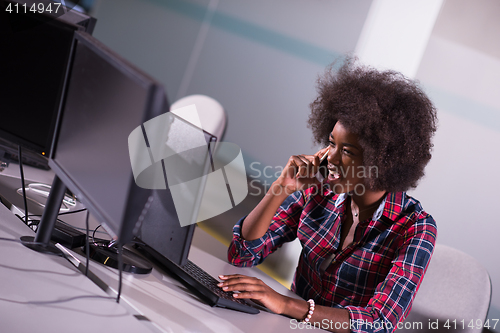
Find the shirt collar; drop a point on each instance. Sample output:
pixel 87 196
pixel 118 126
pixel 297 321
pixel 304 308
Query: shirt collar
pixel 340 199
pixel 378 213
pixel 391 206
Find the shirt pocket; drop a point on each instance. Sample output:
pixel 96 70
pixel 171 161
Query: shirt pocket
pixel 363 270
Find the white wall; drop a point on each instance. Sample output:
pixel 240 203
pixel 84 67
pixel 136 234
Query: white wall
pixel 260 59
pixel 460 70
pixel 396 33
pixel 456 57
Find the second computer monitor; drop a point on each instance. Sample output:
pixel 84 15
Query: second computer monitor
pixel 106 97
pixel 34 59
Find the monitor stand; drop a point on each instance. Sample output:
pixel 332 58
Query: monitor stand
pixel 108 256
pixel 41 242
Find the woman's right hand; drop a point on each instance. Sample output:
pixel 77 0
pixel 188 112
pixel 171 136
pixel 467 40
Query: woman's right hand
pixel 299 173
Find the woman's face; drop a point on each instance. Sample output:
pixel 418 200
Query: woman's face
pixel 345 162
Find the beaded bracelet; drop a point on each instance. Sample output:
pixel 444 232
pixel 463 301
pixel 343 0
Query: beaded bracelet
pixel 311 311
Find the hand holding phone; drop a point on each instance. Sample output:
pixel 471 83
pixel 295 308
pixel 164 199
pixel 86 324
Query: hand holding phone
pixel 323 167
pixel 302 171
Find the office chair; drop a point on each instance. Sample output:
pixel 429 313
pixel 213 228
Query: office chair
pixel 211 114
pixel 455 291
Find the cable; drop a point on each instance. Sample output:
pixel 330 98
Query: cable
pixel 93 235
pixel 55 301
pixel 66 223
pixel 32 223
pixel 73 212
pixel 23 185
pixel 87 246
pixel 77 228
pixel 65 213
pixel 120 271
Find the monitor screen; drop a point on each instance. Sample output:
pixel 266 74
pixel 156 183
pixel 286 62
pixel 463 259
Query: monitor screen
pixel 105 99
pixel 33 64
pixel 161 231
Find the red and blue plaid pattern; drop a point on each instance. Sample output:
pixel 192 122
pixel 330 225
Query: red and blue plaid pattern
pixel 375 278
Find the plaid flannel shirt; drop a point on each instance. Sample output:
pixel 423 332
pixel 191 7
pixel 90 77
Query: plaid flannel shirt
pixel 375 278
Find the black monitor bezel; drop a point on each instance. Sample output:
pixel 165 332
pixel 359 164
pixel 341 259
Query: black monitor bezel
pixel 73 21
pixel 157 105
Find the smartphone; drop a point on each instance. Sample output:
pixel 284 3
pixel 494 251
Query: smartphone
pixel 323 167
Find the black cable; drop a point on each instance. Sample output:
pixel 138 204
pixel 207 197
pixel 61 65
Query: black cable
pixel 93 234
pixel 77 228
pixel 87 247
pixel 66 223
pixel 33 224
pixel 65 213
pixel 73 212
pixel 120 271
pixel 23 185
pixel 57 301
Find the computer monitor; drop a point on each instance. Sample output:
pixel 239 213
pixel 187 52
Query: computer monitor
pixel 161 234
pixel 106 98
pixel 33 64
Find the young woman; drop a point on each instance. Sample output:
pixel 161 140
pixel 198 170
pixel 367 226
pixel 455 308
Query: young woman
pixel 366 243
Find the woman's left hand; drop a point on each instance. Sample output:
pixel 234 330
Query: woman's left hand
pixel 254 289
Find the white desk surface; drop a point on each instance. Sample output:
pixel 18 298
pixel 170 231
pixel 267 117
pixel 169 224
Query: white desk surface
pixel 46 293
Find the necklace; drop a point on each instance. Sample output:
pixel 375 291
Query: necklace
pixel 356 213
pixel 353 211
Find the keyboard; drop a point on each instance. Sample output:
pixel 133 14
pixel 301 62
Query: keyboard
pixel 200 281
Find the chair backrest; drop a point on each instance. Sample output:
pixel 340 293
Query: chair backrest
pixel 454 295
pixel 210 112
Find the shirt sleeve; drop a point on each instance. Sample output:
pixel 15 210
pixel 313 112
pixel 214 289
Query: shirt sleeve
pixel 393 297
pixel 283 229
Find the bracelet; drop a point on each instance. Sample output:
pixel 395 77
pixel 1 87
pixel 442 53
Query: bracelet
pixel 311 311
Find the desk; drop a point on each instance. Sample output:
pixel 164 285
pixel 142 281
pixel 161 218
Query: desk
pixel 169 304
pixel 46 293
